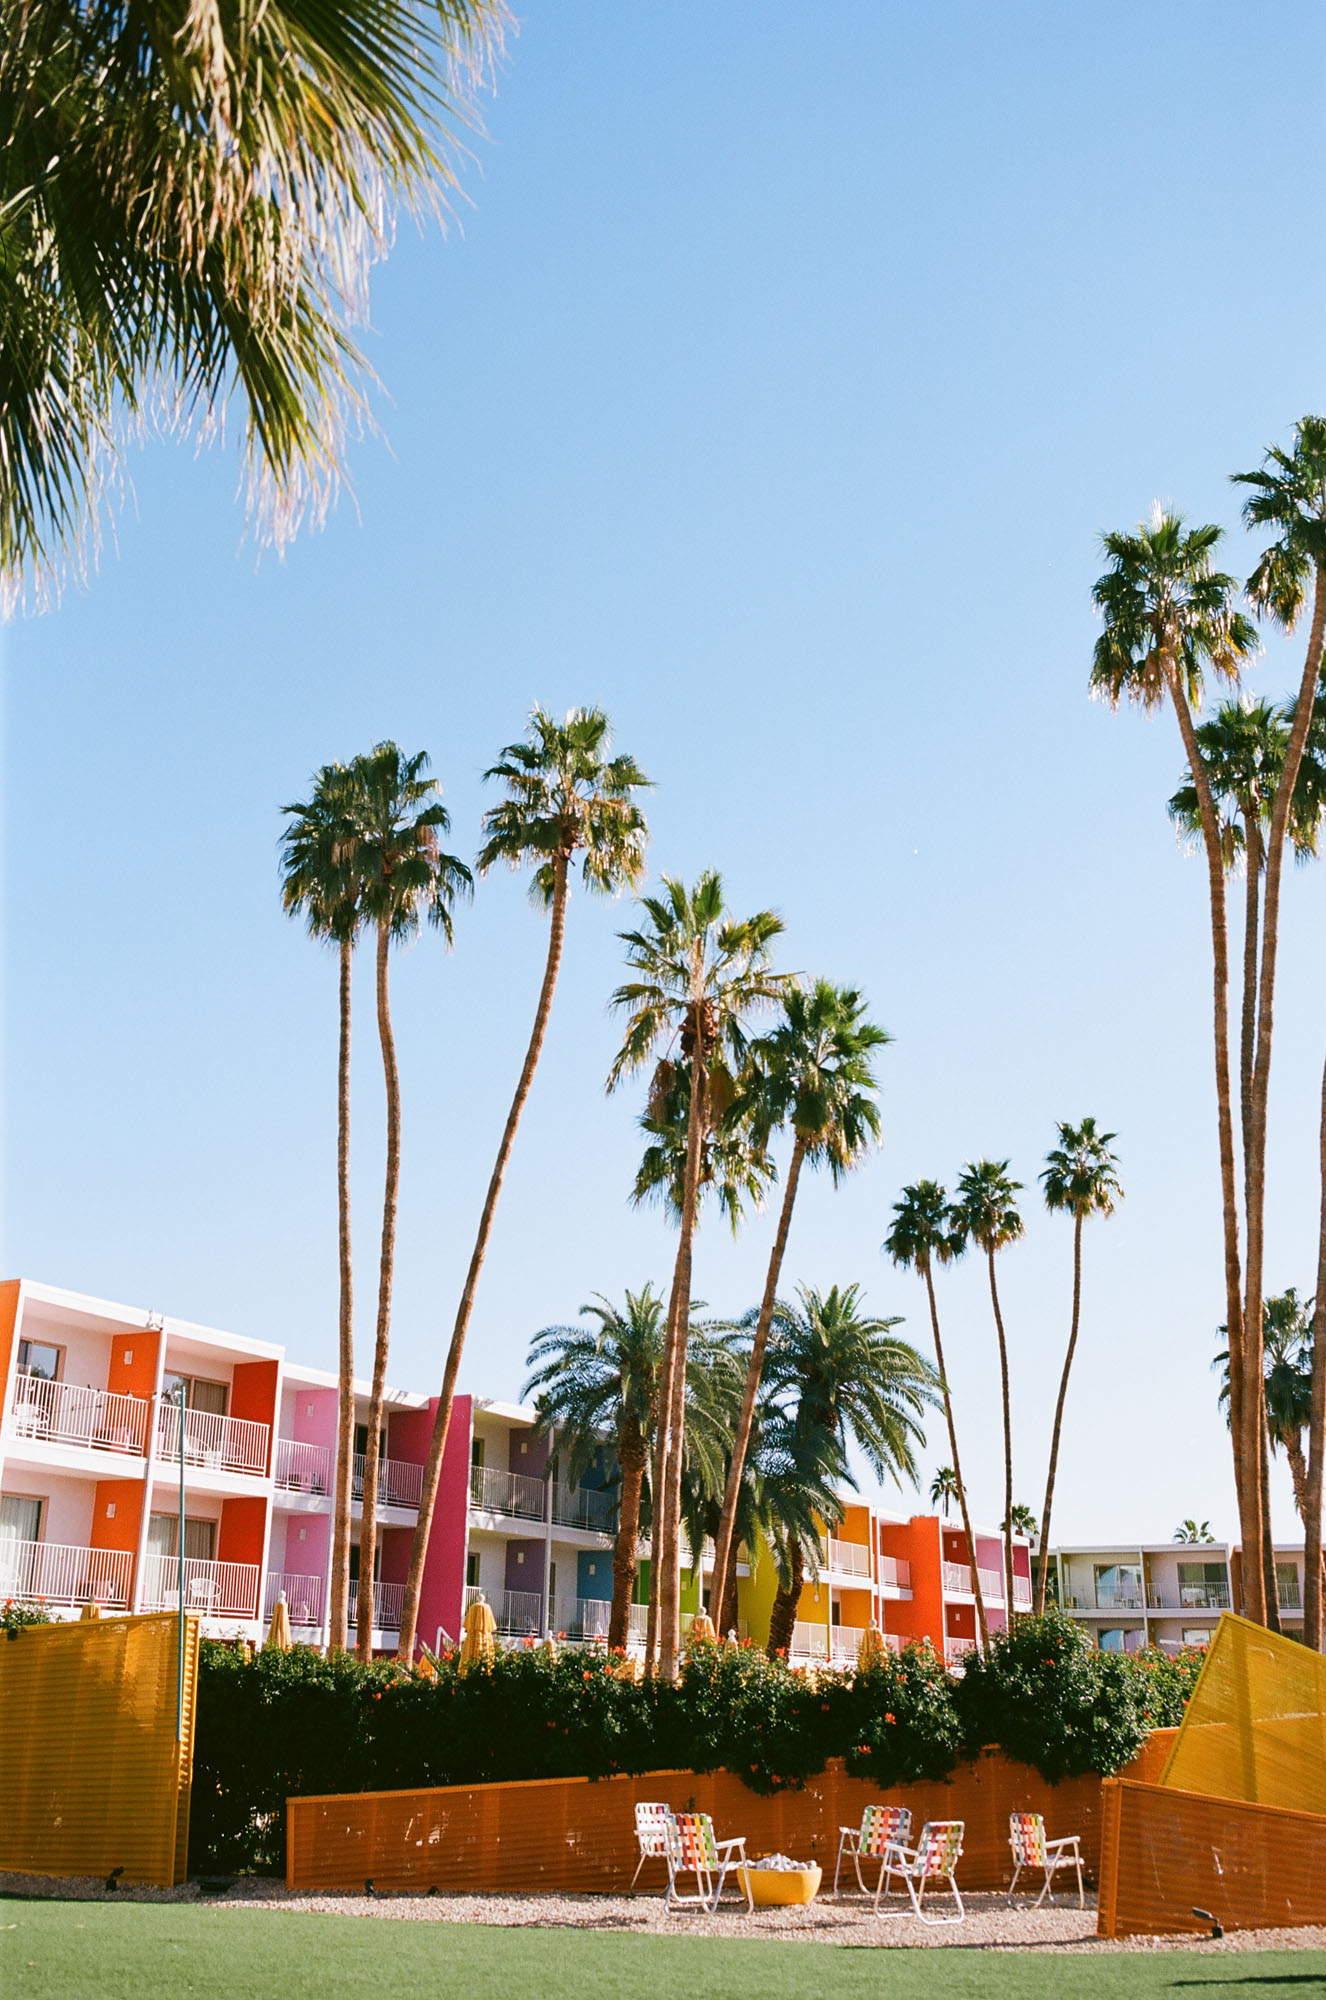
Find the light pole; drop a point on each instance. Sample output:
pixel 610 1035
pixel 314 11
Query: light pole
pixel 181 1392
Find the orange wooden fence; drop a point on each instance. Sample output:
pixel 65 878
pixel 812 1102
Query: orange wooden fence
pixel 570 1833
pixel 1253 1867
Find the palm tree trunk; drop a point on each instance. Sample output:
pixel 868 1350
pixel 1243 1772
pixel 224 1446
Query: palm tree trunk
pixel 447 1394
pixel 1298 1470
pixel 631 1459
pixel 1246 1459
pixel 679 1315
pixel 783 1615
pixel 1008 1439
pixel 1313 1632
pixel 727 1531
pixel 368 1521
pixel 957 1466
pixel 1248 1033
pixel 345 1397
pixel 1254 1387
pixel 1268 1546
pixel 1043 1562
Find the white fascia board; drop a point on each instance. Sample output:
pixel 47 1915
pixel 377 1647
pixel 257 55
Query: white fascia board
pixel 81 1305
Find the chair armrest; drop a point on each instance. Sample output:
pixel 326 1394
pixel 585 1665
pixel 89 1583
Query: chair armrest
pixel 910 1856
pixel 1069 1840
pixel 737 1840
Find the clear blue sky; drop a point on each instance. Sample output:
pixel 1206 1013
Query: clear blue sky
pixel 786 368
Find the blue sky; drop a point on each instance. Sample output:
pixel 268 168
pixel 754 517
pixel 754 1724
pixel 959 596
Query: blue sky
pixel 772 393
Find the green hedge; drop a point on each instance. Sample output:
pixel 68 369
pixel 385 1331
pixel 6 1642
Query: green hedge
pixel 289 1723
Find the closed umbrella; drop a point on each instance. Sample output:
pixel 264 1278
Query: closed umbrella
pixel 426 1666
pixel 871 1651
pixel 278 1636
pixel 91 1609
pixel 702 1628
pixel 478 1645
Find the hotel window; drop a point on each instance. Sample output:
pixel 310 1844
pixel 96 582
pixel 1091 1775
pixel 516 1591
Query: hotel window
pixel 39 1358
pixel 198 1395
pixel 20 1519
pixel 1202 1585
pixel 1118 1587
pixel 163 1537
pixel 1286 1586
pixel 472 1570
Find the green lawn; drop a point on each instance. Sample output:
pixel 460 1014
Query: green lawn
pixel 128 1951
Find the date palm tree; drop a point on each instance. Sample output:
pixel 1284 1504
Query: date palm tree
pixel 565 796
pixel 407 880
pixel 987 1203
pixel 815 1073
pixel 1079 1179
pixel 1288 495
pixel 927 1231
pixel 1169 619
pixel 943 1488
pixel 701 975
pixel 320 881
pixel 191 200
pixel 602 1381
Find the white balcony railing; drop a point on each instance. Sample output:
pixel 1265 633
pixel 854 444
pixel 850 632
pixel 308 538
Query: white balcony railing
pixel 591 1618
pixel 848 1558
pixel 223 1444
pixel 992 1585
pixel 845 1641
pixel 1022 1590
pixel 957 1578
pixel 809 1642
pixel 388 1598
pixel 400 1481
pixel 520 1612
pixel 63 1414
pixel 511 1493
pixel 584 1507
pixel 303 1597
pixel 473 1593
pixel 59 1573
pixel 213 1589
pixel 956 1651
pixel 895 1573
pixel 302 1468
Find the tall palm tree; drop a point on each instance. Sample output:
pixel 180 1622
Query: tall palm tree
pixel 701 975
pixel 566 795
pixel 190 203
pixel 815 1072
pixel 406 879
pixel 320 881
pixel 844 1378
pixel 927 1231
pixel 592 1382
pixel 987 1203
pixel 1079 1179
pixel 1288 495
pixel 1287 1357
pixel 943 1488
pixel 1170 618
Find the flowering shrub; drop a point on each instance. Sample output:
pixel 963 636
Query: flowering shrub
pixel 1047 1697
pixel 13 1615
pixel 903 1721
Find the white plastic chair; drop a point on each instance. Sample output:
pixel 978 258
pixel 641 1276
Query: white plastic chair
pixel 693 1850
pixel 1026 1837
pixel 934 1858
pixel 881 1828
pixel 651 1830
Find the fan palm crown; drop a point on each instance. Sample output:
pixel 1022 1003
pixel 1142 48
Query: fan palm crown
pixel 320 878
pixel 1288 494
pixel 1080 1176
pixel 1165 609
pixel 987 1204
pixel 405 876
pixel 926 1229
pixel 815 1072
pixel 567 796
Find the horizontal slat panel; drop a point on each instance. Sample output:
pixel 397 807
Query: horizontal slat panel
pixel 1253 1867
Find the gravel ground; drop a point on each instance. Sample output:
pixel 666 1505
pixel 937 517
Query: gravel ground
pixel 990 1923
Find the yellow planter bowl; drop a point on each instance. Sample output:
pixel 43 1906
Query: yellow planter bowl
pixel 777 1888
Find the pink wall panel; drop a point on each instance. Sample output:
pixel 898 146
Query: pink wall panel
pixel 442 1592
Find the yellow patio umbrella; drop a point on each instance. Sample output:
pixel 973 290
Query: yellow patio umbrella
pixel 278 1636
pixel 871 1651
pixel 702 1628
pixel 426 1665
pixel 91 1609
pixel 478 1645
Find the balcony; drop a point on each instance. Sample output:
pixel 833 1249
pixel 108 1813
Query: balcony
pixel 809 1642
pixel 845 1643
pixel 212 1589
pixel 956 1651
pixel 519 1613
pixel 585 1507
pixel 1288 1595
pixel 61 1414
pixel 388 1600
pixel 957 1579
pixel 56 1573
pixel 894 1573
pixel 847 1558
pixel 589 1619
pixel 303 1597
pixel 302 1468
pixel 637 1628
pixel 400 1481
pixel 219 1444
pixel 1021 1590
pixel 1187 1597
pixel 1118 1600
pixel 511 1493
pixel 992 1585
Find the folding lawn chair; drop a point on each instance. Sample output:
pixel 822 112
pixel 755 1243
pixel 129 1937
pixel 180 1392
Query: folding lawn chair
pixel 933 1859
pixel 692 1850
pixel 881 1828
pixel 651 1830
pixel 1026 1837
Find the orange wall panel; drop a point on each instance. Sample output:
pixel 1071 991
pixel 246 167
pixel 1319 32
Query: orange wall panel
pixel 120 1530
pixel 253 1395
pixel 9 1292
pixel 132 1370
pixel 924 1616
pixel 242 1531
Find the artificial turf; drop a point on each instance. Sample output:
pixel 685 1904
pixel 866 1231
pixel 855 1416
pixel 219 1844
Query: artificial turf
pixel 129 1951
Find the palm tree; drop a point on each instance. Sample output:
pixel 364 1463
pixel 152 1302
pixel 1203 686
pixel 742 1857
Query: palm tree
pixel 927 1231
pixel 1194 1533
pixel 1287 495
pixel 701 975
pixel 1287 1359
pixel 320 881
pixel 192 202
pixel 843 1377
pixel 1079 1179
pixel 1169 619
pixel 987 1203
pixel 944 1488
pixel 406 878
pixel 814 1072
pixel 800 1473
pixel 592 1382
pixel 1021 1522
pixel 565 796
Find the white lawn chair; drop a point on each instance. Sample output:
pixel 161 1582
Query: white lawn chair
pixel 651 1830
pixel 933 1859
pixel 881 1828
pixel 1026 1837
pixel 692 1850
